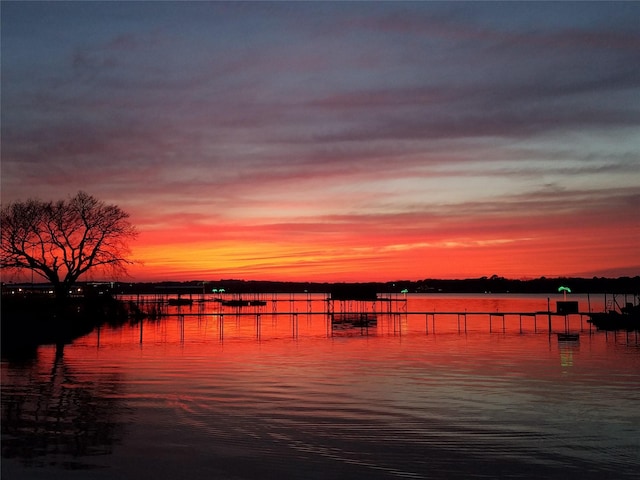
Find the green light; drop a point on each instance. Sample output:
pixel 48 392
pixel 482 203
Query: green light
pixel 406 290
pixel 564 289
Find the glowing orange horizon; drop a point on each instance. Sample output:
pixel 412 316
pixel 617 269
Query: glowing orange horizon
pixel 359 254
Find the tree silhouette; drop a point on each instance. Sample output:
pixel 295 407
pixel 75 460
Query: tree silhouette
pixel 60 241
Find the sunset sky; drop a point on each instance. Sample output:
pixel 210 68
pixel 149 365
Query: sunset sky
pixel 335 141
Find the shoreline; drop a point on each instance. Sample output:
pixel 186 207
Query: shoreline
pixel 493 284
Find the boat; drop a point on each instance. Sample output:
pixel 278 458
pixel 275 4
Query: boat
pixel 626 318
pixel 568 337
pixel 180 301
pixel 244 303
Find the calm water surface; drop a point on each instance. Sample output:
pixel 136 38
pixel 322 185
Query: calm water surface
pixel 287 396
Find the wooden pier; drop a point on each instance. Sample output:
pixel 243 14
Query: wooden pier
pixel 368 323
pixel 365 315
pixel 501 317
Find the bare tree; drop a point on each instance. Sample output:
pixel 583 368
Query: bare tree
pixel 60 241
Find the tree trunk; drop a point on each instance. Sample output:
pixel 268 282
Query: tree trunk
pixel 62 316
pixel 61 290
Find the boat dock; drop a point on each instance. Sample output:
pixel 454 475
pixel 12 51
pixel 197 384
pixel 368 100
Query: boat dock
pixel 566 327
pixel 365 314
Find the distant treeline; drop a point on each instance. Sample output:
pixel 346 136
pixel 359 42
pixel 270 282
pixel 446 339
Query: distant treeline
pixel 494 284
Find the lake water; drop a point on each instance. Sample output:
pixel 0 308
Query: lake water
pixel 269 394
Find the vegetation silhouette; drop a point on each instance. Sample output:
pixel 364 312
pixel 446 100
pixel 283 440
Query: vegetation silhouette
pixel 61 241
pixel 32 319
pixel 492 284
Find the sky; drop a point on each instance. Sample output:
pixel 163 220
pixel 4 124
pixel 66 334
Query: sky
pixel 335 141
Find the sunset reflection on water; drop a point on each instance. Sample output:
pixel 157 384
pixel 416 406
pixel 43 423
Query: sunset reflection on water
pixel 294 398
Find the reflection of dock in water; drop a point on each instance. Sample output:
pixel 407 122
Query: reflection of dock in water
pixel 362 310
pixel 341 321
pixel 395 322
